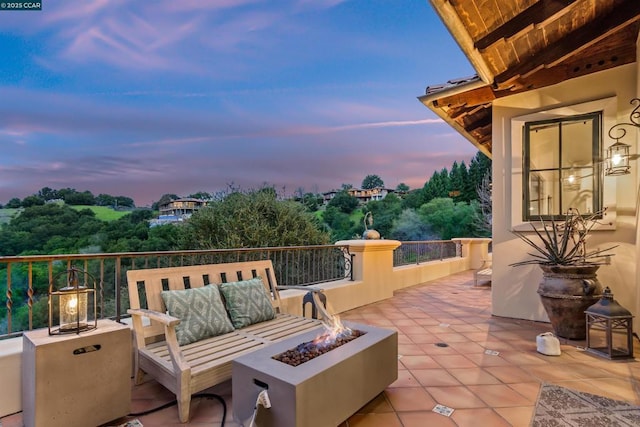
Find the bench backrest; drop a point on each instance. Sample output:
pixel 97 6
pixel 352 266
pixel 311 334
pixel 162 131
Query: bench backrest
pixel 147 284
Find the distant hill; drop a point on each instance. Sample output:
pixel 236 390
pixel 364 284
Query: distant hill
pixel 103 213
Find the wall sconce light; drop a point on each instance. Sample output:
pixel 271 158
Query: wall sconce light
pixel 609 329
pixel 617 160
pixel 69 306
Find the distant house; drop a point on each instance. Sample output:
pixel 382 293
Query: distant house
pixel 363 195
pixel 181 208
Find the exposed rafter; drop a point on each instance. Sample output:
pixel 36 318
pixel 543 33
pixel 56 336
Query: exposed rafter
pixel 536 14
pixel 573 43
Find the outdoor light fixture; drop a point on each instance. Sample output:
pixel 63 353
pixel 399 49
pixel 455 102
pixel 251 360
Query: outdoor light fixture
pixel 72 308
pixel 617 160
pixel 609 329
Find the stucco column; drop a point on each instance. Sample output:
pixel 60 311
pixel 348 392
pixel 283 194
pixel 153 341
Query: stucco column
pixel 475 249
pixel 373 266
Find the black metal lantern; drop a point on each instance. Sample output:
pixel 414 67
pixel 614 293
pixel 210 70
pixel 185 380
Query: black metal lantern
pixel 609 329
pixel 72 308
pixel 617 160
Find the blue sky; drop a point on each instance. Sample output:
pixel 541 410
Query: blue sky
pixel 143 98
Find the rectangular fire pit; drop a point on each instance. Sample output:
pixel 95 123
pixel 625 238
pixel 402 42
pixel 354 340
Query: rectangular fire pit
pixel 321 392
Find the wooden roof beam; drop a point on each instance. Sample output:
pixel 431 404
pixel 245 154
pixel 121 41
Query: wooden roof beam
pixel 471 98
pixel 536 14
pixel 573 43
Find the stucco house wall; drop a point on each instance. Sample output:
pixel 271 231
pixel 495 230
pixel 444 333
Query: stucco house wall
pixel 514 288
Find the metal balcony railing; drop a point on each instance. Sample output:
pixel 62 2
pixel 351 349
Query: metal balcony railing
pixel 426 250
pixel 24 280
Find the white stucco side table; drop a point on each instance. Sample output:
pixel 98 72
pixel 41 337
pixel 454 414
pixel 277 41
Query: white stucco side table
pixel 76 380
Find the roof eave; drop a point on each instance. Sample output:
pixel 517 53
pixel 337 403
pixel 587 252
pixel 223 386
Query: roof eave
pixel 450 18
pixel 427 101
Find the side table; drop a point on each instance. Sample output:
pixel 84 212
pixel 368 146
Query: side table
pixel 76 379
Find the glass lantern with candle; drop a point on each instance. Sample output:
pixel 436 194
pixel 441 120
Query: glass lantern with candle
pixel 72 307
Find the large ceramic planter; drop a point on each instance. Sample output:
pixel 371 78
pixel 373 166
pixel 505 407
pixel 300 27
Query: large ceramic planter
pixel 566 292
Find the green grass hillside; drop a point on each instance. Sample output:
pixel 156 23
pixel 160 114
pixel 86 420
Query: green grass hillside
pixel 103 213
pixel 8 213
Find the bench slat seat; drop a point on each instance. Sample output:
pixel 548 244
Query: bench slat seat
pixel 485 274
pixel 189 369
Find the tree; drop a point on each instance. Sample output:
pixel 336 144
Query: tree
pixel 480 165
pixel 484 216
pixel 384 212
pixel 344 202
pixel 37 225
pixel 105 200
pixel 410 227
pixel 14 203
pixel 123 201
pixel 449 219
pixel 340 224
pixel 402 188
pixel 73 197
pixel 372 181
pixel 47 194
pixel 438 186
pixel 201 195
pixel 459 183
pixel 311 201
pixel 252 219
pixel 32 201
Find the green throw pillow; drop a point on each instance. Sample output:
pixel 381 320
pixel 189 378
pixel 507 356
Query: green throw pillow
pixel 201 313
pixel 247 302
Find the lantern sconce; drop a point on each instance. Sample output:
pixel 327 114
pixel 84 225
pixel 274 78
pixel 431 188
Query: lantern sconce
pixel 72 307
pixel 609 328
pixel 617 159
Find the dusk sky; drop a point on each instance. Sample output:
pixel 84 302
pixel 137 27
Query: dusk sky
pixel 143 98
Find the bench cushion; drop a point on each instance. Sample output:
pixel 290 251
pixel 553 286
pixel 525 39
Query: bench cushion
pixel 247 302
pixel 201 313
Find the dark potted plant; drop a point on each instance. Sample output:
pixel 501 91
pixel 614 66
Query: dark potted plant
pixel 569 284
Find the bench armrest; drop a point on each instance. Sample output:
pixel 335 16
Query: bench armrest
pixel 163 318
pixel 169 322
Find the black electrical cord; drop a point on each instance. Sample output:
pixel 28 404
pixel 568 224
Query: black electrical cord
pixel 175 402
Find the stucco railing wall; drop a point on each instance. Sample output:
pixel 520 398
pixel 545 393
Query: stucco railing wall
pixel 375 279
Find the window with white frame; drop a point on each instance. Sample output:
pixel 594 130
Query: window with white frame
pixel 561 166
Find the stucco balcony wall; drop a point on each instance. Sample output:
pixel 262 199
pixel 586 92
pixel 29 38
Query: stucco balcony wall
pixel 375 279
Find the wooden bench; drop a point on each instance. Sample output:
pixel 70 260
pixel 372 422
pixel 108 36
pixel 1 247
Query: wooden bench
pixel 191 368
pixel 484 273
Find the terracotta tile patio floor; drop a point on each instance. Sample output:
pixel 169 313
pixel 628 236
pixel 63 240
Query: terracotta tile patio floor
pixel 485 390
